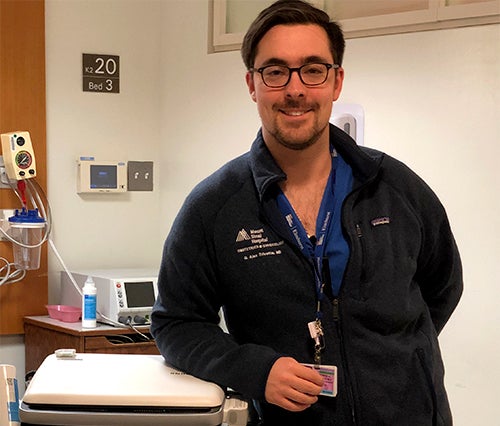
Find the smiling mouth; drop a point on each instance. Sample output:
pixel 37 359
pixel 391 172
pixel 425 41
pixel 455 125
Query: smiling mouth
pixel 294 113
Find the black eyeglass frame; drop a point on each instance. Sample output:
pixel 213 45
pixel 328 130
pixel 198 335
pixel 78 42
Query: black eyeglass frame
pixel 298 71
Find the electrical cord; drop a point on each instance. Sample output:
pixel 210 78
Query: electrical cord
pixel 8 277
pixel 139 333
pixel 128 322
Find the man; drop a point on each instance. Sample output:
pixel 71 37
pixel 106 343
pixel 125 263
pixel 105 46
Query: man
pixel 319 252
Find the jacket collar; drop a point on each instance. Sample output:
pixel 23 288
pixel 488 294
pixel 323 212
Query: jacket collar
pixel 365 163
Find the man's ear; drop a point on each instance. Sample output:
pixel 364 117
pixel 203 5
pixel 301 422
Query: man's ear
pixel 339 80
pixel 251 85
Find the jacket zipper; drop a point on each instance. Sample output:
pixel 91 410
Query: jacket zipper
pixel 336 320
pixel 359 234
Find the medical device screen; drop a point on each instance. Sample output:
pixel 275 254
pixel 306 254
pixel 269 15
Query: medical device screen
pixel 103 176
pixel 139 294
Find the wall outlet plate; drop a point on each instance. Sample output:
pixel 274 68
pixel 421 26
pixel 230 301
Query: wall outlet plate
pixel 4 179
pixel 140 176
pixel 4 222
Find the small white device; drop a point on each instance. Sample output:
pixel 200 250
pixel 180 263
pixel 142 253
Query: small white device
pixel 351 119
pixel 122 294
pixel 18 155
pixel 101 176
pixel 235 411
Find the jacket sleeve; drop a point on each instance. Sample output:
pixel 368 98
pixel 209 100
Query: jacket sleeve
pixel 439 271
pixel 185 318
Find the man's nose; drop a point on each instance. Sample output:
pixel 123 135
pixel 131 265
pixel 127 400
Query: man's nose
pixel 295 86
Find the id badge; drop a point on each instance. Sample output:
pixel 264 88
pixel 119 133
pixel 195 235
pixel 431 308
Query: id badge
pixel 329 374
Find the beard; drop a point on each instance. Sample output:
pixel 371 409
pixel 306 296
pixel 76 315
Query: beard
pixel 296 143
pixel 296 138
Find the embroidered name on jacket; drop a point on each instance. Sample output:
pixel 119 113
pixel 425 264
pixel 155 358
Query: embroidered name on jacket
pixel 253 243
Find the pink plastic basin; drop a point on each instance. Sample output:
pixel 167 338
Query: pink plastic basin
pixel 64 312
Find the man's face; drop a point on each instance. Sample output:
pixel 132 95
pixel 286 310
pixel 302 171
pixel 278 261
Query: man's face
pixel 297 115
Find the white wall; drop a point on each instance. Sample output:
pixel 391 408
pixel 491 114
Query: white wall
pixel 431 99
pixel 208 115
pixel 103 230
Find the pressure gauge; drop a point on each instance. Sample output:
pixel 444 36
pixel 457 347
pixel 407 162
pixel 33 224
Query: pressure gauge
pixel 23 159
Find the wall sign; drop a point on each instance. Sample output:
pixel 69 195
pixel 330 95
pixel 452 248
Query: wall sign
pixel 101 73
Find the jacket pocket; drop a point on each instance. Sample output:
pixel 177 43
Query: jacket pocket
pixel 430 384
pixel 387 263
pixel 364 273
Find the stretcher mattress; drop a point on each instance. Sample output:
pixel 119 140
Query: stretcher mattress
pixel 118 389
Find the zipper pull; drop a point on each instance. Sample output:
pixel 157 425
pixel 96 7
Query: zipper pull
pixel 335 309
pixel 359 233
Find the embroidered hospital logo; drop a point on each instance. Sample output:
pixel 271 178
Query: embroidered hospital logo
pixel 256 244
pixel 242 236
pixel 256 236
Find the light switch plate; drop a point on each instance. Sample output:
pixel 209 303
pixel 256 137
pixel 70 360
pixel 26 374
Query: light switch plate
pixel 140 176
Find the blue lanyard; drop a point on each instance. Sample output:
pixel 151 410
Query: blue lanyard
pixel 314 252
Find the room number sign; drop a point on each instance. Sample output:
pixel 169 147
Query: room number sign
pixel 101 73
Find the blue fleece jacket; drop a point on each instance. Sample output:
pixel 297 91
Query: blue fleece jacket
pixel 230 247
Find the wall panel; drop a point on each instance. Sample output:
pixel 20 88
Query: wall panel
pixel 22 107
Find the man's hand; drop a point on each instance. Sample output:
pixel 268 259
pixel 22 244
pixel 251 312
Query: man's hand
pixel 292 386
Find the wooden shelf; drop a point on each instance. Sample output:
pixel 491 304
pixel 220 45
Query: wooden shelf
pixel 43 335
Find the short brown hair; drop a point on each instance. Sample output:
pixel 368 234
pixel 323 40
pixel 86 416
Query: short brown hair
pixel 290 12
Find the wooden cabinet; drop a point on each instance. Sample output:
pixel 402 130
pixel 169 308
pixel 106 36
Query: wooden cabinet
pixel 360 18
pixel 22 107
pixel 43 335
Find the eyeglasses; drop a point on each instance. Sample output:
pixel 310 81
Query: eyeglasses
pixel 313 74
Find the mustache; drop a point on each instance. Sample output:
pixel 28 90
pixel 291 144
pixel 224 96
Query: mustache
pixel 292 103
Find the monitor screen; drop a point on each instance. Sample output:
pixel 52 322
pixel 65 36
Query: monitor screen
pixel 140 294
pixel 103 176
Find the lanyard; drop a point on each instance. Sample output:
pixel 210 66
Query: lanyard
pixel 314 252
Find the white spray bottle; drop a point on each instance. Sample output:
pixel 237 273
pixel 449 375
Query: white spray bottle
pixel 89 304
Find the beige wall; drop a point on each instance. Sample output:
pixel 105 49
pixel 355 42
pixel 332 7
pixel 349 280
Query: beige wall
pixel 431 99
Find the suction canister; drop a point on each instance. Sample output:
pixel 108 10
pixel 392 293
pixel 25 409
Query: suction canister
pixel 26 228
